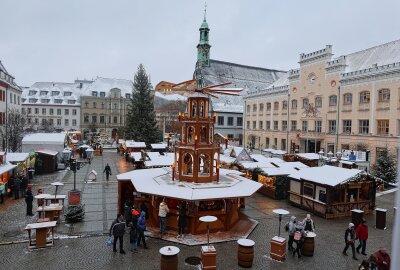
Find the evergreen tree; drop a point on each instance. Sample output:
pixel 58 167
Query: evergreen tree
pixel 141 124
pixel 385 167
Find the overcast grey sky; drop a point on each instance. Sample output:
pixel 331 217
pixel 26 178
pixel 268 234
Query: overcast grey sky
pixel 47 40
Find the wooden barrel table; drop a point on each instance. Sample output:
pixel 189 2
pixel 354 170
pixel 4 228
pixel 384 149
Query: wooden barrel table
pixel 309 244
pixel 169 258
pixel 245 252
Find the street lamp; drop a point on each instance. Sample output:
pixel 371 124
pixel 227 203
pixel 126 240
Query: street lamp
pixel 321 157
pixel 73 163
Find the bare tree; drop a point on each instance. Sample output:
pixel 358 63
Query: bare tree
pixel 47 126
pixel 13 130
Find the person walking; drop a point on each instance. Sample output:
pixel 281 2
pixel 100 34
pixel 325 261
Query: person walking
pixel 162 215
pixel 291 227
pixel 349 238
pixel 117 229
pixel 107 170
pixel 29 201
pixel 298 238
pixel 308 224
pixel 17 186
pixel 362 235
pixel 141 227
pixel 382 259
pixel 181 220
pixel 133 236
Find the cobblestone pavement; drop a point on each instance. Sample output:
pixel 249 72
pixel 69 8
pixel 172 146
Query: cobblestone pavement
pixel 100 199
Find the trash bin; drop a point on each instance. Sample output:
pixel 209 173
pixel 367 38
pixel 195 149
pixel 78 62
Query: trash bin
pixel 380 218
pixel 31 172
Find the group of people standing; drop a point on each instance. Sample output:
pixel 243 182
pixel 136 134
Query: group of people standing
pixel 297 233
pixel 18 185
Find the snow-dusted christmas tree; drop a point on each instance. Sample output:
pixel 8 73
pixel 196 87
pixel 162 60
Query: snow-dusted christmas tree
pixel 141 124
pixel 385 167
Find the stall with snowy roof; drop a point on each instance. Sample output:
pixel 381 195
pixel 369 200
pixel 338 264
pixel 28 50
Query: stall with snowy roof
pixel 195 177
pixel 310 159
pixel 46 161
pixel 21 160
pixel 132 146
pixel 330 191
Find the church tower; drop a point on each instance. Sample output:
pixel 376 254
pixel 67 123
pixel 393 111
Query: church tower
pixel 203 48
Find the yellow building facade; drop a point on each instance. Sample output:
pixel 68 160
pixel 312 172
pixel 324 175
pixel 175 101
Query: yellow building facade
pixel 332 104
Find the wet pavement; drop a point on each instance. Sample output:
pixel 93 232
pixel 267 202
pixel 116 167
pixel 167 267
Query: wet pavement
pixel 100 199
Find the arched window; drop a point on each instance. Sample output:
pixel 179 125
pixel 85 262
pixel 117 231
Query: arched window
pixel 305 102
pixel 268 106
pixel 364 97
pixel 318 102
pixel 333 100
pixel 284 105
pixel 187 168
pixel 347 98
pixel 254 107
pixel 261 107
pixel 201 111
pixel 384 95
pixel 294 104
pixel 190 134
pixel 203 134
pixel 204 165
pixel 194 108
pixel 276 105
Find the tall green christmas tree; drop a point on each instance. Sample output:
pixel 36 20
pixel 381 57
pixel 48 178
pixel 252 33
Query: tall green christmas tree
pixel 385 167
pixel 141 124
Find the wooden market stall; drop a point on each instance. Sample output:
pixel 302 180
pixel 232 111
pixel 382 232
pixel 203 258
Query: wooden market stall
pixel 331 192
pixel 132 146
pixel 21 160
pixel 310 159
pixel 46 161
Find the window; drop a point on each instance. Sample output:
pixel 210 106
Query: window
pixel 284 125
pixel 44 111
pixel 58 101
pixel 32 93
pixel 305 103
pixel 94 104
pixel 102 118
pixel 43 122
pixel 67 94
pixel 308 190
pixel 115 119
pixel 23 111
pixel 37 121
pixel 102 94
pixel 347 126
pixel 318 102
pixel 254 107
pixel 276 105
pixel 66 112
pixel 29 110
pixel 102 105
pixel 239 121
pixel 268 106
pixel 332 100
pixel 43 93
pixel 230 121
pixel 45 100
pixel 347 99
pixel 74 122
pixel 220 120
pixel 71 101
pixel 36 110
pixel 58 122
pixel 283 144
pixel 85 118
pixel 86 104
pixel 364 97
pixel 73 111
pixel 383 127
pixel 94 93
pixel 55 93
pixel 304 126
pixel 275 125
pixel 248 125
pixel 294 104
pixel 94 118
pixel 66 122
pixel 248 108
pixel 363 126
pixel 29 121
pixel 58 111
pixel 254 125
pixel 260 125
pixel 318 126
pixel 268 125
pixel 384 95
pixel 294 125
pixel 115 106
pixel 284 105
pixel 127 95
pixel 261 107
pixel 332 126
pixel 51 111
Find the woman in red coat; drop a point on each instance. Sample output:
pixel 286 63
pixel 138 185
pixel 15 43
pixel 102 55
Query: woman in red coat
pixel 382 259
pixel 362 235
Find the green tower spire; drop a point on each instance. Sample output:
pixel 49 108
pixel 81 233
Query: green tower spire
pixel 203 48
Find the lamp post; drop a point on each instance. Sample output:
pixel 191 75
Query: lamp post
pixel 73 163
pixel 321 157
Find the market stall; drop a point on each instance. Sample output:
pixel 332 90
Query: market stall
pixel 46 161
pixel 21 160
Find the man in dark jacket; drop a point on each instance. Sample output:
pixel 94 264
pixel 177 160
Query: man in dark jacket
pixel 107 170
pixel 117 230
pixel 29 201
pixel 350 238
pixel 17 186
pixel 24 184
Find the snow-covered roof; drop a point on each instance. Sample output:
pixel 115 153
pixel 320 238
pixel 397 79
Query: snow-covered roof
pixel 380 55
pixel 159 182
pixel 6 168
pixel 158 146
pixel 283 81
pixel 133 144
pixel 106 84
pixel 227 108
pixel 44 138
pixel 157 160
pixel 310 156
pixel 47 152
pixel 17 157
pixel 278 171
pixel 274 151
pixel 295 164
pixel 326 175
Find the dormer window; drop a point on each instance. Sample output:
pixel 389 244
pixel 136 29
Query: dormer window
pixel 45 100
pixel 23 100
pixel 94 93
pixel 58 101
pixel 43 93
pixel 32 92
pixel 102 94
pixel 67 94
pixel 71 101
pixel 55 93
pixel 32 100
